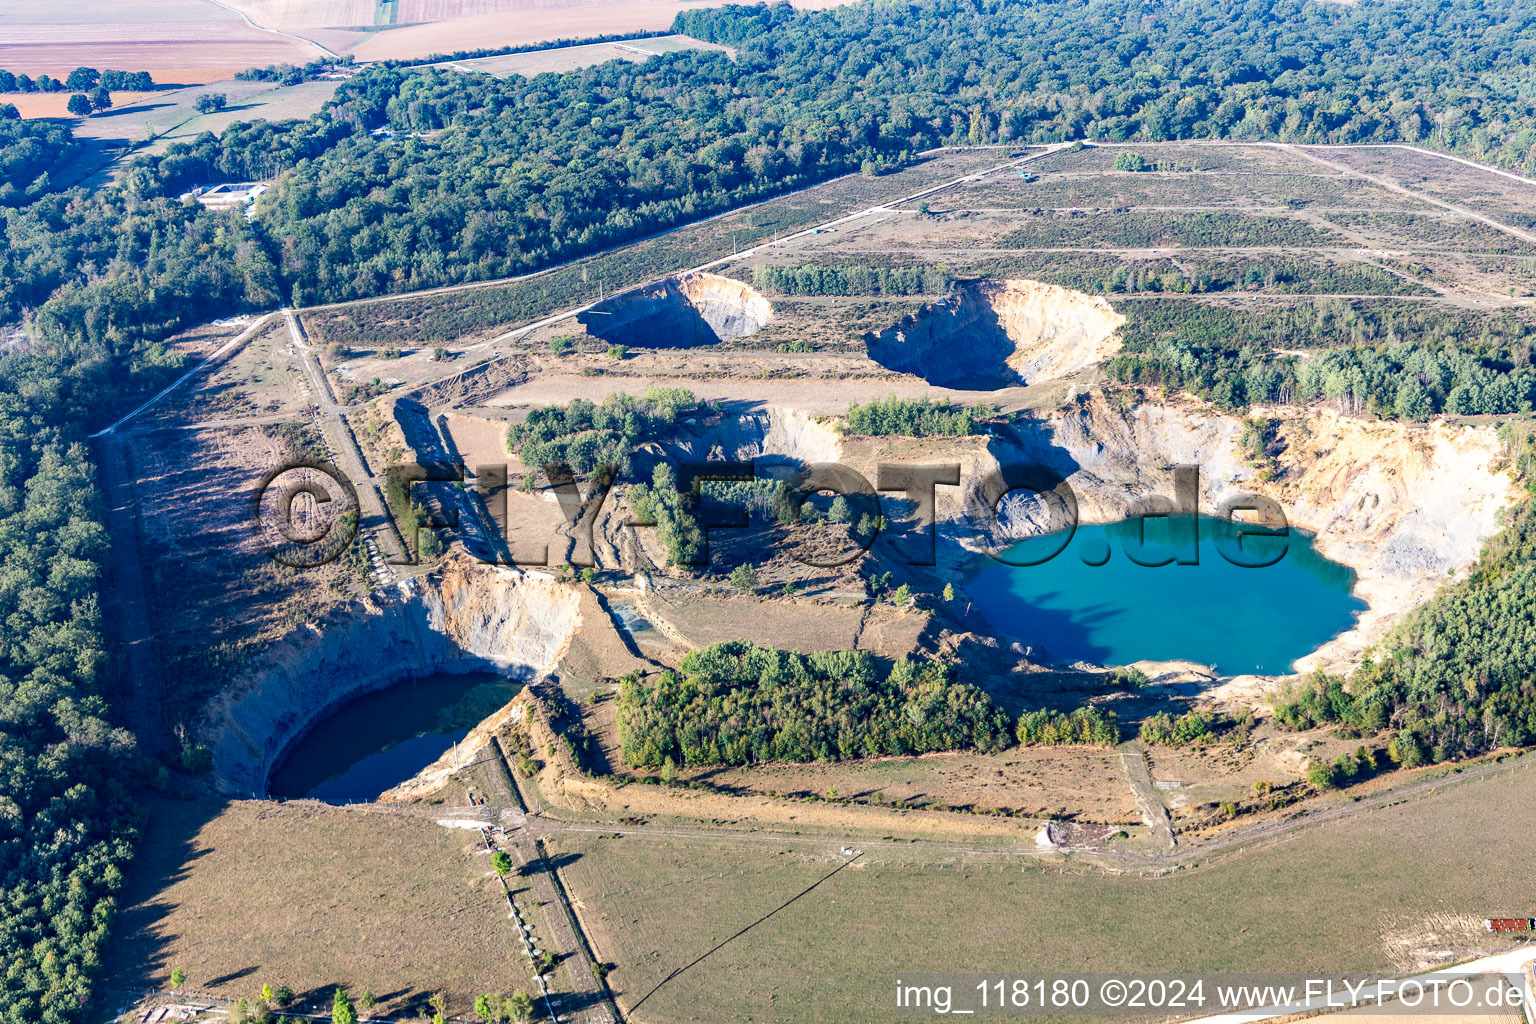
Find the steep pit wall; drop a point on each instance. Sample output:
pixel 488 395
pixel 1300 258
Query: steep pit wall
pixel 1404 505
pixel 771 434
pixel 686 311
pixel 467 617
pixel 994 334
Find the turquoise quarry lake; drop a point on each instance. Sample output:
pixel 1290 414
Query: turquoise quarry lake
pixel 1094 602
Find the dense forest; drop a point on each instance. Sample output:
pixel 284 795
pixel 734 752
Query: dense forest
pixel 492 177
pixel 31 152
pixel 64 813
pixel 738 703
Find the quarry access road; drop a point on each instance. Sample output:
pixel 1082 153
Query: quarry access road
pixel 1392 186
pixel 373 514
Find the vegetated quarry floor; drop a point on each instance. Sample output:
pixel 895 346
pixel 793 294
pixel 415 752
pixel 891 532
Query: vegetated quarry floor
pixel 1338 895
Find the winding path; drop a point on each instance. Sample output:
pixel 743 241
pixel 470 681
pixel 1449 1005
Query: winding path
pixel 324 50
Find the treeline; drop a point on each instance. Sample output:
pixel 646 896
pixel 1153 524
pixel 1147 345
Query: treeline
pixel 1280 276
pixel 64 828
pixel 1404 380
pixel 677 527
pixel 293 74
pixel 1141 231
pixel 81 79
pixel 1165 730
pixel 811 279
pixel 915 417
pixel 585 435
pixel 736 703
pixel 1454 677
pixel 1327 322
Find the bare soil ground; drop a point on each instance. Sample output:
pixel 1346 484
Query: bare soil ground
pixel 195 491
pixel 250 893
pixel 654 903
pixel 263 379
pixel 1065 784
pixel 56 104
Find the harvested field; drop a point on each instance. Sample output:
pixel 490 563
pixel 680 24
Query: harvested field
pixel 654 903
pixel 158 36
pixel 55 104
pixel 251 893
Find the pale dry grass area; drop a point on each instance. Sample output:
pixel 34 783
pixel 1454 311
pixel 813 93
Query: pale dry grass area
pixel 573 58
pixel 249 893
pixel 1316 902
pixel 531 25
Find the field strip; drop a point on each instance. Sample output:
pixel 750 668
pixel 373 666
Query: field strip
pixel 1188 857
pixel 723 942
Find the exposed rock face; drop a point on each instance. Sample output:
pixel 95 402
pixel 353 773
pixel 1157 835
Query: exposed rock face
pixel 1404 505
pixel 770 435
pixel 680 312
pixel 466 618
pixel 994 334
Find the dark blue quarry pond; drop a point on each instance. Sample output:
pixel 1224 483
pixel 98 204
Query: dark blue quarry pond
pixel 381 739
pixel 1094 602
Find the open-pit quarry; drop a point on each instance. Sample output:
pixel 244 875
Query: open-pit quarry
pixel 566 586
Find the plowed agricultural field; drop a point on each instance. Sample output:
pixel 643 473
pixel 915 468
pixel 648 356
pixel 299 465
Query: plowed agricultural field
pixel 174 40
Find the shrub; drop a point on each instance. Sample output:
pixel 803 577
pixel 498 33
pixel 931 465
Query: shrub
pixel 1162 729
pixel 1086 726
